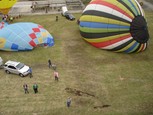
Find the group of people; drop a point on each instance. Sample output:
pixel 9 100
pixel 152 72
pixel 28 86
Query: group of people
pixel 7 18
pixel 56 75
pixel 35 88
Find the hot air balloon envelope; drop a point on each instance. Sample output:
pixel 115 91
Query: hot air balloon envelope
pixel 5 5
pixel 116 25
pixel 24 36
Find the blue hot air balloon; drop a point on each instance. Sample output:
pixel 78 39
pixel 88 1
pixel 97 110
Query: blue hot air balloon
pixel 23 36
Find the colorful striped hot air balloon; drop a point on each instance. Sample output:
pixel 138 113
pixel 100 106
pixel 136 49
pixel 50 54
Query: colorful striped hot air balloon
pixel 5 5
pixel 116 25
pixel 24 36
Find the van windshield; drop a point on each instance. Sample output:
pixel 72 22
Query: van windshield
pixel 20 66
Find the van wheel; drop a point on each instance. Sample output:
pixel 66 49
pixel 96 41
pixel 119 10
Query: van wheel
pixel 7 72
pixel 21 75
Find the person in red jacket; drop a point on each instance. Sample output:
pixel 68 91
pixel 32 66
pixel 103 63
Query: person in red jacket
pixel 56 75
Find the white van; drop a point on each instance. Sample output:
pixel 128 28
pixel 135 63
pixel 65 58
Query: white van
pixel 64 9
pixel 1 62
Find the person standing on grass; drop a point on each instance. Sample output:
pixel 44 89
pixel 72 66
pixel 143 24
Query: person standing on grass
pixel 56 76
pixel 11 19
pixel 35 88
pixel 25 86
pixel 68 102
pixel 54 67
pixel 30 72
pixel 49 63
pixel 56 18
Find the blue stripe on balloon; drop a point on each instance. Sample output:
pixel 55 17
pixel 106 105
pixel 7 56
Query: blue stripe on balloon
pixel 134 7
pixel 102 25
pixel 131 48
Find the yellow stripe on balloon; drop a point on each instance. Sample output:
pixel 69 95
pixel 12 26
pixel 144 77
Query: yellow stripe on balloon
pixel 88 18
pixel 133 1
pixel 125 48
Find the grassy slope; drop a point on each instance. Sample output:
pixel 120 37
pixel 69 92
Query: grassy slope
pixel 149 1
pixel 85 1
pixel 81 67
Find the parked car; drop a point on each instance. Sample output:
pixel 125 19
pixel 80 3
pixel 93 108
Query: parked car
pixel 69 16
pixel 16 68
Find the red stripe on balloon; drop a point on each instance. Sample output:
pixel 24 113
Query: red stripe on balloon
pixel 110 42
pixel 111 6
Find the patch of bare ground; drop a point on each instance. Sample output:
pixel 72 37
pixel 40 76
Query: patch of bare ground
pixel 78 92
pixel 101 107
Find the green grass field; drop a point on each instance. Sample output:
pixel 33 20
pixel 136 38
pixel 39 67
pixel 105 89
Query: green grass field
pixel 115 83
